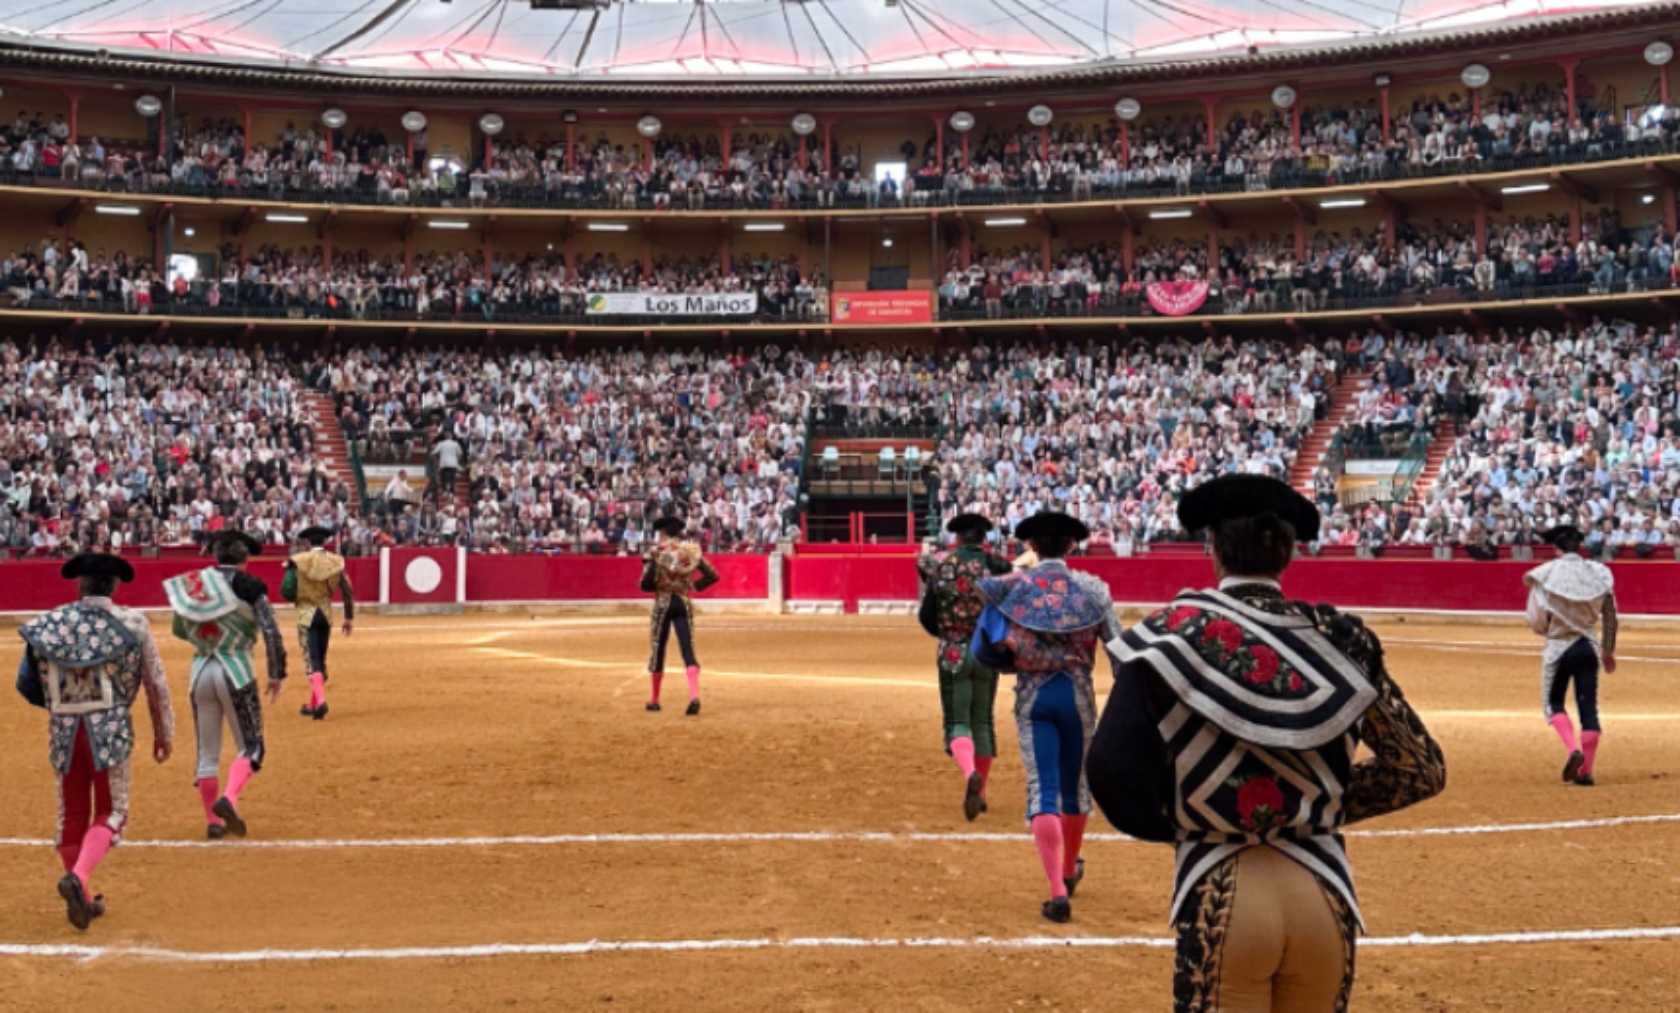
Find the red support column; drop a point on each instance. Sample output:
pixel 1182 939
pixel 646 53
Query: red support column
pixel 408 250
pixel 802 151
pixel 647 256
pixel 1212 128
pixel 1125 145
pixel 410 147
pixel 1669 215
pixel 1300 239
pixel 1662 83
pixel 1391 229
pixel 1569 89
pixel 246 110
pixel 489 257
pixel 965 151
pixel 966 245
pixel 1385 114
pixel 1044 248
pixel 571 146
pixel 1295 124
pixel 1128 249
pixel 1476 103
pixel 489 152
pixel 1481 228
pixel 939 143
pixel 726 254
pixel 1575 220
pixel 1213 250
pixel 828 145
pixel 569 252
pixel 75 106
pixel 328 146
pixel 726 137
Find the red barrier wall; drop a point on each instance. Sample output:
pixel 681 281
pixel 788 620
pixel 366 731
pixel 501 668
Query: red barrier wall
pixel 849 578
pixel 1645 587
pixel 33 585
pixel 596 578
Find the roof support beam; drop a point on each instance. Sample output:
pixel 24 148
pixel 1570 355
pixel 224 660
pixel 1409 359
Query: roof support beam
pixel 1574 187
pixel 1491 201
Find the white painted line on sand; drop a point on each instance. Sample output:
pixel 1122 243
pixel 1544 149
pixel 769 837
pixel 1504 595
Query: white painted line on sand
pixel 800 837
pixel 593 947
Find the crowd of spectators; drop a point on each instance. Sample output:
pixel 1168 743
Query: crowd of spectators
pixel 1108 433
pixel 1263 274
pixel 583 452
pixel 358 285
pixel 1579 425
pixel 143 445
pixel 146 445
pixel 1254 148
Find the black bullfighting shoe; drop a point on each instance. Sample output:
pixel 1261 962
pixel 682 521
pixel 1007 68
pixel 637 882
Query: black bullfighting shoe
pixel 76 906
pixel 1058 910
pixel 321 711
pixel 215 832
pixel 973 803
pixel 653 705
pixel 96 907
pixel 1573 765
pixel 1585 780
pixel 693 707
pixel 230 816
pixel 307 711
pixel 1072 882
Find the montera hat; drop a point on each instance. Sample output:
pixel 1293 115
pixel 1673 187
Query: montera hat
pixel 1231 497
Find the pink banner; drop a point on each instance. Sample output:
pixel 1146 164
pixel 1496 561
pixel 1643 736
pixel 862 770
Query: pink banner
pixel 1176 298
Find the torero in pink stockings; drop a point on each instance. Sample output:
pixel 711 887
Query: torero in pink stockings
pixel 673 572
pixel 86 663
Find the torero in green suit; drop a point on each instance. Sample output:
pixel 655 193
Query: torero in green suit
pixel 951 604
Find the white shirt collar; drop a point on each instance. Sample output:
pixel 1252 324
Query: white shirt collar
pixel 1230 582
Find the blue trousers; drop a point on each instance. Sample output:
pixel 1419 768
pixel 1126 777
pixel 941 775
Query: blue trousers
pixel 1055 719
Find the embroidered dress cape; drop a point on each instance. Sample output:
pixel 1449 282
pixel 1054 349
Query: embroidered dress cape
pixel 1233 723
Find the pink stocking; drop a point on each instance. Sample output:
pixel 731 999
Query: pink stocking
pixel 1565 731
pixel 317 690
pixel 693 673
pixel 208 793
pixel 657 679
pixel 962 751
pixel 238 775
pixel 1047 835
pixel 1589 746
pixel 1073 835
pixel 94 846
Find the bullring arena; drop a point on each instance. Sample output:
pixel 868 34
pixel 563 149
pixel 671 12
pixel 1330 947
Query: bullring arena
pixel 489 819
pixel 503 301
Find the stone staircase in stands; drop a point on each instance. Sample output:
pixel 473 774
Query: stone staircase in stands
pixel 1317 443
pixel 1446 432
pixel 330 442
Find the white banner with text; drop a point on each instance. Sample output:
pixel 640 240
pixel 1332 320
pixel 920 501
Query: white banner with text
pixel 678 304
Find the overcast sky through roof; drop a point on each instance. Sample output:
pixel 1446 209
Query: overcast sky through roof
pixel 731 38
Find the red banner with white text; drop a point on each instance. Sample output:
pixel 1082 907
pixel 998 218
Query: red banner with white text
pixel 896 307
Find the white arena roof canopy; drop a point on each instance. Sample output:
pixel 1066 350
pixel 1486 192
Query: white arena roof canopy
pixel 724 39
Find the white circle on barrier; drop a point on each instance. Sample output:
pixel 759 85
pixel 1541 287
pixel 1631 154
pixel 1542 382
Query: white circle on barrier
pixel 422 575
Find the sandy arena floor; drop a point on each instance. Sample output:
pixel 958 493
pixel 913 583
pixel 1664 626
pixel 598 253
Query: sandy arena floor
pixel 434 843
